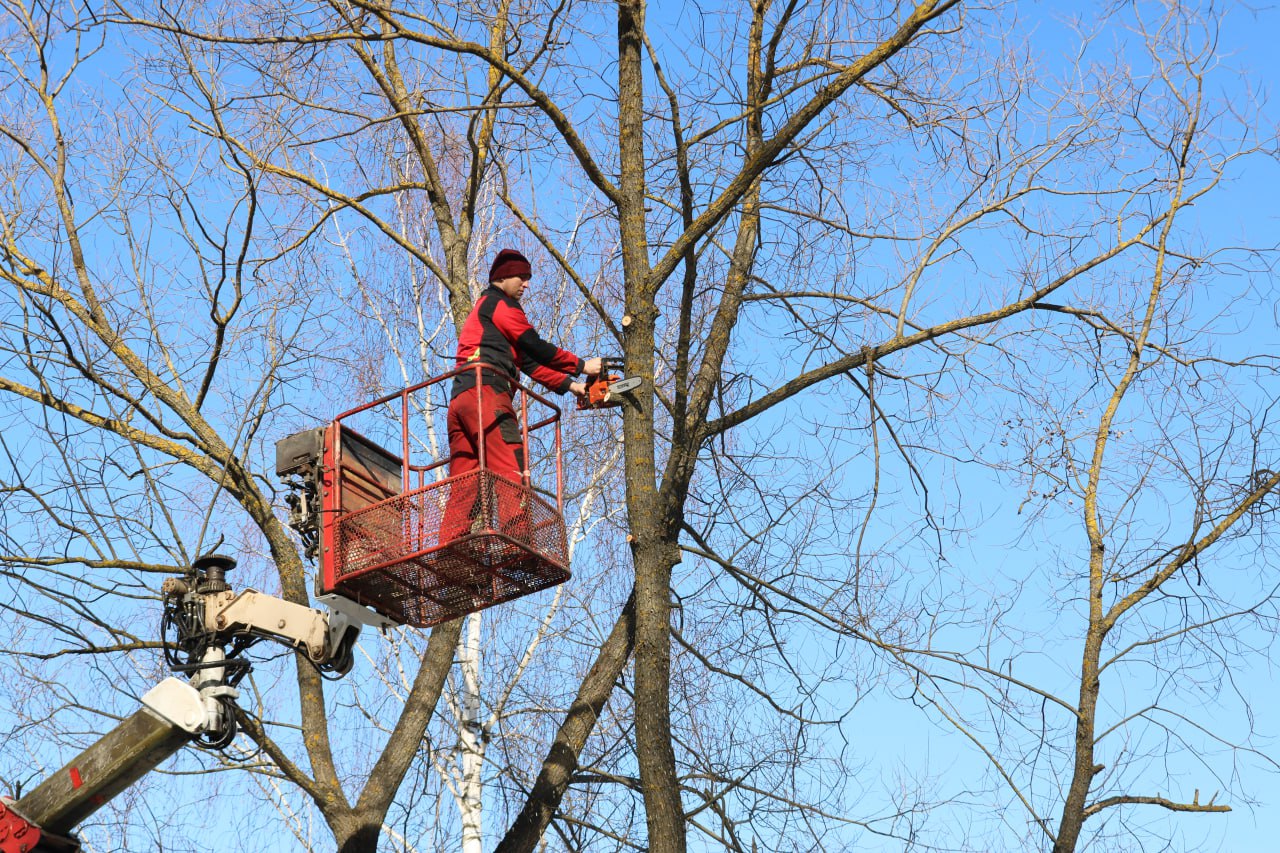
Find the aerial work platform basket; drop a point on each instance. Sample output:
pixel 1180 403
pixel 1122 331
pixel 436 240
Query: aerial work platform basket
pixel 400 536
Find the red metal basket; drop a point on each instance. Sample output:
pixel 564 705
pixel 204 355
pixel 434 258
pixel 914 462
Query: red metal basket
pixel 421 550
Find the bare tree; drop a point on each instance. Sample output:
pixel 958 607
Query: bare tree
pixel 823 235
pixel 1141 435
pixel 154 337
pixel 267 318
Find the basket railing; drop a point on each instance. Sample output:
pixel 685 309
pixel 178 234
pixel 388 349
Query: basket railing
pixel 378 540
pixel 552 419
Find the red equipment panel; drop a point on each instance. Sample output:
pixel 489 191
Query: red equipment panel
pixel 423 549
pixel 17 834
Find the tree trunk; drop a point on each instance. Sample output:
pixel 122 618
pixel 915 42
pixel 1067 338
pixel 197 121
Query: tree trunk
pixel 651 552
pixel 1083 770
pixel 471 787
pixel 356 834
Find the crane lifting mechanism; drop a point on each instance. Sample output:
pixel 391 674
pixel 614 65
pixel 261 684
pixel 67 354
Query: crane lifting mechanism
pixel 207 628
pixel 396 541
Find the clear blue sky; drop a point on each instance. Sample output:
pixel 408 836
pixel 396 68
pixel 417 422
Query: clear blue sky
pixel 885 731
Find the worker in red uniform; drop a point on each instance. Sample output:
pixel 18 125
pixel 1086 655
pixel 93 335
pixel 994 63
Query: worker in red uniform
pixel 498 333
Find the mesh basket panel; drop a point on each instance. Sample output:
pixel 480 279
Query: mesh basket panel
pixel 450 548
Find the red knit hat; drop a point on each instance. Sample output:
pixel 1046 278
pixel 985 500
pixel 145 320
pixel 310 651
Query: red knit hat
pixel 509 263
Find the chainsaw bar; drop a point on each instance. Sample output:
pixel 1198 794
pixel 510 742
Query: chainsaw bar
pixel 622 386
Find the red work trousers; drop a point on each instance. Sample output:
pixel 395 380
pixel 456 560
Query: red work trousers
pixel 479 416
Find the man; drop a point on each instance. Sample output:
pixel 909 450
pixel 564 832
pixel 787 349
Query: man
pixel 498 333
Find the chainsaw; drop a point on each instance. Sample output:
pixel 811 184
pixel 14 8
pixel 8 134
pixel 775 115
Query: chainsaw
pixel 605 391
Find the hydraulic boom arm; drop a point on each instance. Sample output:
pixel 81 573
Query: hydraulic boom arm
pixel 212 626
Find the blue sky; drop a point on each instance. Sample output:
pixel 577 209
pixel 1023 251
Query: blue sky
pixel 884 732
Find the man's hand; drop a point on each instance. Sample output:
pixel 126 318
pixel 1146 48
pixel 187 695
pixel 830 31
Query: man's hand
pixel 578 389
pixel 592 366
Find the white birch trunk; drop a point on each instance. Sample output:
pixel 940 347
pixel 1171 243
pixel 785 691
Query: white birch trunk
pixel 471 743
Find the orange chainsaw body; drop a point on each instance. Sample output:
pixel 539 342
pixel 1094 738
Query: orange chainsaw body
pixel 606 390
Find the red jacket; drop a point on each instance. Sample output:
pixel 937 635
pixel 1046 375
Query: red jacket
pixel 497 332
